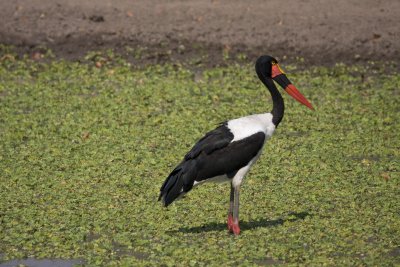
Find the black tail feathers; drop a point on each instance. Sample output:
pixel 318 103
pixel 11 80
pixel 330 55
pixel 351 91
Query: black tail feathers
pixel 179 182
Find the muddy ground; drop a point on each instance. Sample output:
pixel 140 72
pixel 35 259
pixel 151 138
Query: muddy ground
pixel 321 32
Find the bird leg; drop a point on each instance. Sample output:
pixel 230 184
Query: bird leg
pixel 235 224
pixel 230 213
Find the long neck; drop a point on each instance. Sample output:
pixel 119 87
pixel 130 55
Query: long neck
pixel 278 108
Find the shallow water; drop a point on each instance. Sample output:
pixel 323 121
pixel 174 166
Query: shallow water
pixel 31 262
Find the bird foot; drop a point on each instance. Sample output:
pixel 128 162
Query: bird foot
pixel 230 222
pixel 235 228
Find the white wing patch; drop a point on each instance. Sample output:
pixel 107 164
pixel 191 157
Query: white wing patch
pixel 249 125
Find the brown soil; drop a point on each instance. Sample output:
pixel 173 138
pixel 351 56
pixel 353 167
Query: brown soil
pixel 321 32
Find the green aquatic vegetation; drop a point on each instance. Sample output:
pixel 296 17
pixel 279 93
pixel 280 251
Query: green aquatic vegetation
pixel 84 150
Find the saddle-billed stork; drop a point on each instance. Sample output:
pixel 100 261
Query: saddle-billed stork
pixel 228 152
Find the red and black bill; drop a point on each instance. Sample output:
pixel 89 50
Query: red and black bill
pixel 279 76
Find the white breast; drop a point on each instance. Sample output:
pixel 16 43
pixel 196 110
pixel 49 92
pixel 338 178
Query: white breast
pixel 249 125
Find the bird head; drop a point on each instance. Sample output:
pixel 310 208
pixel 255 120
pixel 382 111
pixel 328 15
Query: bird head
pixel 267 67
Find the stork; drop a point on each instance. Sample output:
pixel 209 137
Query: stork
pixel 228 152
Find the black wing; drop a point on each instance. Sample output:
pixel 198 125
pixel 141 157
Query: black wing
pixel 230 158
pixel 216 139
pixel 213 155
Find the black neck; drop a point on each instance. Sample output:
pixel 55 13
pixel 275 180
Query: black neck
pixel 278 108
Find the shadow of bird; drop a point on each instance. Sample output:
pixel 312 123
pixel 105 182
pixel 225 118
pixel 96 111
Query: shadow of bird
pixel 214 226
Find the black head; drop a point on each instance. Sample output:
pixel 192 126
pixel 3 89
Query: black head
pixel 268 69
pixel 264 65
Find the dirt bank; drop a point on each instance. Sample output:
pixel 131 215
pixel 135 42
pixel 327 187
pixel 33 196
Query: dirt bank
pixel 322 32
